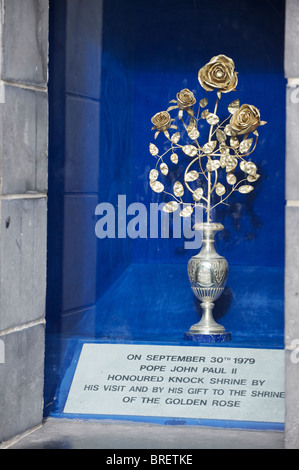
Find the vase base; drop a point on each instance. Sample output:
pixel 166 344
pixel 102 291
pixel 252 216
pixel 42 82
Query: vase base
pixel 208 338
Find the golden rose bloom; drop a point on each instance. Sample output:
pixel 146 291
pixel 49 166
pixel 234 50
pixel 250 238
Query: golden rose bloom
pixel 161 121
pixel 245 120
pixel 218 74
pixel 185 99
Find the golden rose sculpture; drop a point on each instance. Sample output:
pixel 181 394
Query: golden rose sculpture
pixel 227 147
pixel 245 120
pixel 218 74
pixel 216 167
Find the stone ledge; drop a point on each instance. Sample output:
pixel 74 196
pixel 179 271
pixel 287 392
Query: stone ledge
pixel 291 274
pixel 23 261
pixel 291 60
pixel 21 382
pixel 25 41
pixel 292 139
pixel 24 141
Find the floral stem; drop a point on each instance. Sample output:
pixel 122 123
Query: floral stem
pixel 209 173
pixel 226 197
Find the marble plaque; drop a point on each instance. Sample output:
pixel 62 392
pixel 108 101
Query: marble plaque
pixel 179 382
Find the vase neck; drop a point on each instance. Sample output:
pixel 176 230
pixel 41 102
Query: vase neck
pixel 209 230
pixel 208 242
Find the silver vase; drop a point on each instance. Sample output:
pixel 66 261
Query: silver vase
pixel 207 273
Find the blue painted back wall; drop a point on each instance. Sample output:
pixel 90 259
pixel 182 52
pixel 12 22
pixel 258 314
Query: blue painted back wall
pixel 147 52
pixel 171 41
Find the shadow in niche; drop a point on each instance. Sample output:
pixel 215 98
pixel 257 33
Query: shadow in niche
pixel 240 210
pixel 222 304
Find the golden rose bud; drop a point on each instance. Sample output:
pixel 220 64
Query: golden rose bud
pixel 185 99
pixel 245 120
pixel 161 121
pixel 218 74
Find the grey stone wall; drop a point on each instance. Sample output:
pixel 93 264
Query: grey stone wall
pixel 23 212
pixel 292 226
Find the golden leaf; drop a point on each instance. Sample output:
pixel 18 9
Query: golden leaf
pixel 223 161
pixel 175 137
pixel 231 163
pixel 245 189
pixel 157 186
pixel 234 106
pixel 231 178
pixel 194 134
pixel 153 149
pixel 164 169
pixel 191 125
pixel 174 158
pixel 221 137
pixel 245 145
pixel 178 189
pixel 248 167
pixel 224 150
pixel 171 108
pixel 187 211
pixel 251 168
pixel 243 165
pixel 213 165
pixel 205 113
pixel 153 175
pixel 229 131
pixel 233 142
pixel 220 189
pixel 197 195
pixel 209 146
pixel 212 119
pixel 171 206
pixel 191 176
pixel 189 150
pixel 252 178
pixel 203 103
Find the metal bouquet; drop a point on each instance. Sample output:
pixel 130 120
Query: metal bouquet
pixel 218 166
